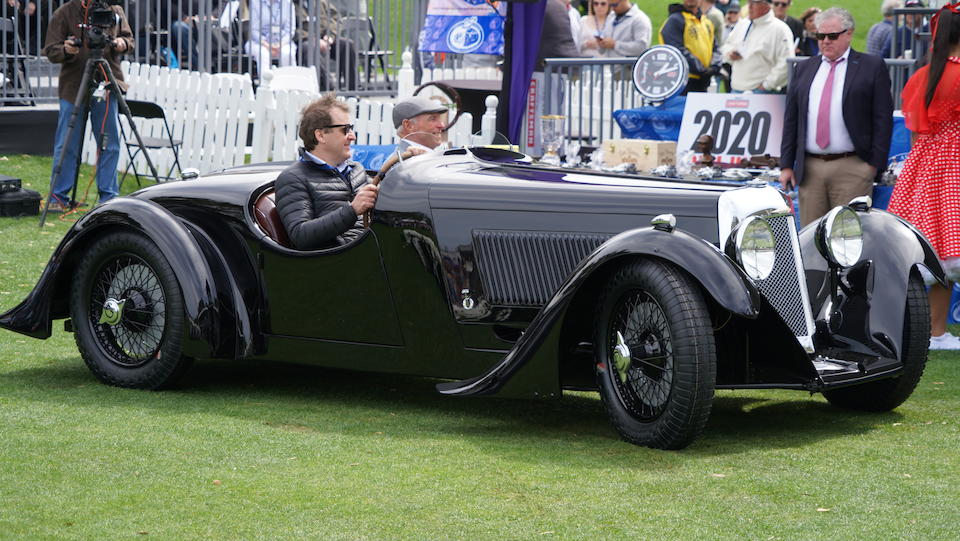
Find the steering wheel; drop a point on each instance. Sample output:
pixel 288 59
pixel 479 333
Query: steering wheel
pixel 387 165
pixel 452 95
pixel 453 98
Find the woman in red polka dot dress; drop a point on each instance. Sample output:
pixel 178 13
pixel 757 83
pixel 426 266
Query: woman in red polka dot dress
pixel 927 193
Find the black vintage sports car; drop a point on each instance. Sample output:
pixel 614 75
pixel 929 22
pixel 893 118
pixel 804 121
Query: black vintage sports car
pixel 507 278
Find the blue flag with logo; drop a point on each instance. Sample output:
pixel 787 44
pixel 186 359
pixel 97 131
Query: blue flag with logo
pixel 463 26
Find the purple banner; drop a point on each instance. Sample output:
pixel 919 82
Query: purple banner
pixel 526 29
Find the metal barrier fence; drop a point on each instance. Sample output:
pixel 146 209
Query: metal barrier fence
pixel 354 45
pixel 911 36
pixel 587 91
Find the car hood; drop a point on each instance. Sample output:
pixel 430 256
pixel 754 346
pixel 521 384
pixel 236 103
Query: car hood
pixel 465 182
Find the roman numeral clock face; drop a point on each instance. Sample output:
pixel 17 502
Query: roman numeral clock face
pixel 660 73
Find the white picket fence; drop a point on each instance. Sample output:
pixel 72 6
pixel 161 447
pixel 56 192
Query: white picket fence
pixel 211 115
pixel 275 135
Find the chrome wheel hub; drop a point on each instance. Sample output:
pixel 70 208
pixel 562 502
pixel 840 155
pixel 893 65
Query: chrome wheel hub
pixel 621 357
pixel 112 312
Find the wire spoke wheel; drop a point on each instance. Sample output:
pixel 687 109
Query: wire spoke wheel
pixel 649 377
pixel 128 313
pixel 137 336
pixel 655 355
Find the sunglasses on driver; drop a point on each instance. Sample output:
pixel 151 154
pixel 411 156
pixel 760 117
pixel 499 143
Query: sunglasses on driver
pixel 347 128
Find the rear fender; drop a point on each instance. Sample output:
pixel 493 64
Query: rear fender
pixel 531 368
pixel 217 321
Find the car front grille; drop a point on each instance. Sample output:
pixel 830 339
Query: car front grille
pixel 525 268
pixel 785 288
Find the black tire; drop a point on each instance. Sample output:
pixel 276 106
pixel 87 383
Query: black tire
pixel 657 400
pixel 141 349
pixel 887 394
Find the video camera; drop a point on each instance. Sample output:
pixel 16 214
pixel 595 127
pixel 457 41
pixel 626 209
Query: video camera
pixel 100 20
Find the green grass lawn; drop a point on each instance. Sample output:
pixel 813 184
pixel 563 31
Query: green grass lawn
pixel 244 450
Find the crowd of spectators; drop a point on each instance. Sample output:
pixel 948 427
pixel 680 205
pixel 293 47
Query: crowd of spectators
pixel 247 35
pixel 746 34
pixel 751 42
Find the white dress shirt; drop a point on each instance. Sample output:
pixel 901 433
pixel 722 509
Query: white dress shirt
pixel 840 141
pixel 764 45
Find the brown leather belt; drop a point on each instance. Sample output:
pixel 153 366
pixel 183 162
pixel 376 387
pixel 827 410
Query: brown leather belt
pixel 831 157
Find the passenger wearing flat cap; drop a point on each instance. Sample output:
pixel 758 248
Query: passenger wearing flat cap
pixel 420 122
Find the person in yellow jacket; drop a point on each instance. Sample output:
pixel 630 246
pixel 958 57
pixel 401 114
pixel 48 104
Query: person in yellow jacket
pixel 690 31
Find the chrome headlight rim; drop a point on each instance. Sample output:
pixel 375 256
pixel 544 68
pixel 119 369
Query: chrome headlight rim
pixel 757 268
pixel 830 238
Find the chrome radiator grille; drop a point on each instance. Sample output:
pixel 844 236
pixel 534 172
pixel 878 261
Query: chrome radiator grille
pixel 525 268
pixel 785 288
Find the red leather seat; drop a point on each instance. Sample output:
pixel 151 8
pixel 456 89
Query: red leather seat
pixel 265 211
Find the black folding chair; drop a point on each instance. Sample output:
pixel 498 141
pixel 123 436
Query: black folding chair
pixel 13 58
pixel 363 34
pixel 150 110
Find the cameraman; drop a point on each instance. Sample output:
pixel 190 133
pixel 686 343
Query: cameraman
pixel 68 44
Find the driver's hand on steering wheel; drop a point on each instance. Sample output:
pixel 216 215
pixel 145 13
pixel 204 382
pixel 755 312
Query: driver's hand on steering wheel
pixel 365 199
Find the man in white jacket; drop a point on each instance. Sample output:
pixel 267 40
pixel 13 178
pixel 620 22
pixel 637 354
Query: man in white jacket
pixel 629 29
pixel 757 50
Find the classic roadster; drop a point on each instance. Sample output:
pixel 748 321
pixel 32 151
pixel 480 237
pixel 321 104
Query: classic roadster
pixel 507 278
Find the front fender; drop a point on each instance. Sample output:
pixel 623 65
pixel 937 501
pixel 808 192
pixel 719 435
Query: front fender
pixel 207 307
pixel 892 248
pixel 535 353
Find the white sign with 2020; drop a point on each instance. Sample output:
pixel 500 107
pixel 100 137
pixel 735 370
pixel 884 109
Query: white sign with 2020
pixel 742 125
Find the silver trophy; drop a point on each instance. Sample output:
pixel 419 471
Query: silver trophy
pixel 551 130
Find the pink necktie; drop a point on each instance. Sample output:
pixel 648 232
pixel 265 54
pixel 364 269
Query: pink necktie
pixel 823 114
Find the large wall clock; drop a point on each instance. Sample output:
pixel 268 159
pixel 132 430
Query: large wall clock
pixel 660 73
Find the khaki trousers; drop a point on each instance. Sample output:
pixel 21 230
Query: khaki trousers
pixel 827 184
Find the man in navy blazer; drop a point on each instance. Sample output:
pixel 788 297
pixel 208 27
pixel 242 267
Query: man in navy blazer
pixel 838 122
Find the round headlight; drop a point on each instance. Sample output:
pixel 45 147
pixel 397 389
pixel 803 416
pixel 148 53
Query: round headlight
pixel 756 247
pixel 841 237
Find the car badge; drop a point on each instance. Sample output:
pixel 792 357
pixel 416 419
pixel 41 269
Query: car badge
pixel 468 303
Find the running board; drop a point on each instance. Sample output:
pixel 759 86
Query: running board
pixel 832 374
pixel 841 373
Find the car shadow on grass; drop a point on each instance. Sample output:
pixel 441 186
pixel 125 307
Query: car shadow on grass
pixel 317 400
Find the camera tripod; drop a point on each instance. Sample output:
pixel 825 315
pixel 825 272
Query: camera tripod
pixel 88 85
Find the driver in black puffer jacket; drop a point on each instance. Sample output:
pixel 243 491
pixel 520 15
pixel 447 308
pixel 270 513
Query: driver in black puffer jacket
pixel 322 197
